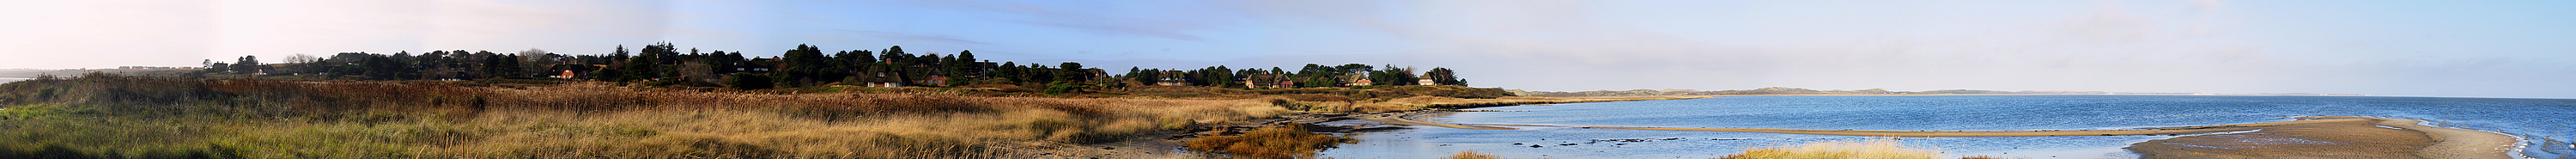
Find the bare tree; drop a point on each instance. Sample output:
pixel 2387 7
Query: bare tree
pixel 537 61
pixel 302 58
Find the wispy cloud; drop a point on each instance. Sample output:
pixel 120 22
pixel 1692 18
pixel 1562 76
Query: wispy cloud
pixel 903 37
pixel 1171 20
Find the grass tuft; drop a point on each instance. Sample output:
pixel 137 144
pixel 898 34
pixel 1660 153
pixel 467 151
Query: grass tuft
pixel 1471 154
pixel 1269 143
pixel 1874 148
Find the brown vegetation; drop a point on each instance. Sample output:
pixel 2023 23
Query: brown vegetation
pixel 1875 148
pixel 1471 154
pixel 1269 143
pixel 103 115
pixel 108 116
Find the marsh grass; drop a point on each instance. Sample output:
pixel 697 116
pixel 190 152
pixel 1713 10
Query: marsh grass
pixel 1279 142
pixel 152 117
pixel 1873 148
pixel 1471 154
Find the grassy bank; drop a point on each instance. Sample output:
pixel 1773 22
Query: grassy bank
pixel 101 115
pixel 120 116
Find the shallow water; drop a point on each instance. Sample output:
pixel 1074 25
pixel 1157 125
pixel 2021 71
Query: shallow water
pixel 11 79
pixel 2532 119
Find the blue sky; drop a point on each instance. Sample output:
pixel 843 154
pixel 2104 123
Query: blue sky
pixel 2415 48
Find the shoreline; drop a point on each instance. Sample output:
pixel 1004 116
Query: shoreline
pixel 1166 143
pixel 2436 142
pixel 2345 136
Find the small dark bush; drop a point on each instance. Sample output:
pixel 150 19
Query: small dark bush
pixel 748 81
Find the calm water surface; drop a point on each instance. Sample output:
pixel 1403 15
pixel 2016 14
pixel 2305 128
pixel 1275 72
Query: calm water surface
pixel 2532 119
pixel 11 79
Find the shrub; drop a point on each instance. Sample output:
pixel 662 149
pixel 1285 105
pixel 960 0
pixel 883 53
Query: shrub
pixel 747 81
pixel 1064 87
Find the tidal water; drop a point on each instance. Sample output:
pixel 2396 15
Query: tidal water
pixel 2536 121
pixel 11 79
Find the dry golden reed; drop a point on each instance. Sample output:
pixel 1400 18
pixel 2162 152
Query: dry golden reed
pixel 1471 155
pixel 1281 142
pixel 1873 148
pixel 110 116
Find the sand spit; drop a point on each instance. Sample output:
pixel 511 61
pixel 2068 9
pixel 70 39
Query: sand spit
pixel 2319 140
pixel 2453 143
pixel 2337 140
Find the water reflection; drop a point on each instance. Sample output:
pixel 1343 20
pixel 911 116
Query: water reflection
pixel 2059 112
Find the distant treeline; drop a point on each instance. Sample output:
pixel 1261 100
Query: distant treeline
pixel 1770 91
pixel 663 64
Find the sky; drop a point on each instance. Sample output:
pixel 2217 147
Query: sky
pixel 2518 49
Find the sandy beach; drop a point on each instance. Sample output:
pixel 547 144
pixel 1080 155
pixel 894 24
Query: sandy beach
pixel 2457 143
pixel 2308 137
pixel 2400 138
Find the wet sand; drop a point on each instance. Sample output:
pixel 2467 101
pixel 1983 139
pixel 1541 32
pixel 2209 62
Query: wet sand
pixel 2401 138
pixel 2319 140
pixel 2458 143
pixel 2308 137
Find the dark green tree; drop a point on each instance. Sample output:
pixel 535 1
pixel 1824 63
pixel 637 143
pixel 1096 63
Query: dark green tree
pixel 966 55
pixel 247 64
pixel 1444 76
pixel 381 68
pixel 1140 76
pixel 1073 72
pixel 616 60
pixel 747 81
pixel 894 54
pixel 503 66
pixel 804 66
pixel 1354 68
pixel 664 63
pixel 1010 72
pixel 218 67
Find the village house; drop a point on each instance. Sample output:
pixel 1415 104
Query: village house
pixel 1172 78
pixel 938 80
pixel 1267 81
pixel 574 71
pixel 567 74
